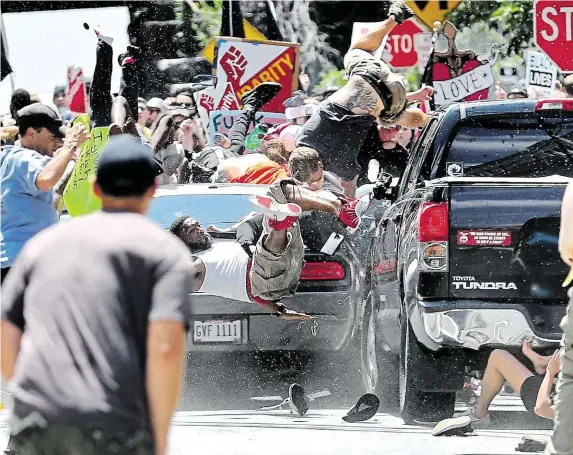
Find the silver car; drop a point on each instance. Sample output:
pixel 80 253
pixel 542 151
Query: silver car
pixel 330 286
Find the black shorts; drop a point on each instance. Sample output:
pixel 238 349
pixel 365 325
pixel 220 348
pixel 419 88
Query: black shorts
pixel 529 391
pixel 5 271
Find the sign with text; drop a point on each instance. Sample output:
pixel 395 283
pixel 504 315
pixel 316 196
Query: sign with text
pixel 540 73
pixel 401 45
pixel 78 194
pixel 243 64
pixel 223 121
pixel 553 31
pixel 459 75
pixel 461 87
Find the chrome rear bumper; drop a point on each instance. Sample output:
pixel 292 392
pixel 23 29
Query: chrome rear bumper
pixel 474 328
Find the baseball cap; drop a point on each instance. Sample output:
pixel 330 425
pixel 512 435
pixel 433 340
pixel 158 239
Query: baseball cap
pixel 126 167
pixel 39 115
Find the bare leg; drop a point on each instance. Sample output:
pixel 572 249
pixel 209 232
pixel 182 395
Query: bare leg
pixel 309 200
pixel 501 367
pixel 372 41
pixel 349 187
pixel 276 241
pixel 539 361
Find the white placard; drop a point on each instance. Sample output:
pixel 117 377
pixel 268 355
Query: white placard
pixel 461 87
pixel 205 104
pixel 540 73
pixel 423 46
pixel 360 29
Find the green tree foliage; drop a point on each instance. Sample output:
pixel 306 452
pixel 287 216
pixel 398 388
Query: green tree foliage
pixel 512 18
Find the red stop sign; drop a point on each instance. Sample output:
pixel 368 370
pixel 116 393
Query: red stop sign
pixel 400 45
pixel 554 31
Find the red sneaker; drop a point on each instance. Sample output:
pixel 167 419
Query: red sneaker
pixel 282 225
pixel 352 211
pixel 269 206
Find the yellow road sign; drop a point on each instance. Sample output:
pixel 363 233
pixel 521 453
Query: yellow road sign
pixel 429 11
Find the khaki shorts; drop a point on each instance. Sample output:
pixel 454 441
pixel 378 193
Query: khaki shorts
pixel 276 276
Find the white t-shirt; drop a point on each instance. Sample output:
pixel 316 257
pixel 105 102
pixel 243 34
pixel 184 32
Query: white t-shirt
pixel 225 271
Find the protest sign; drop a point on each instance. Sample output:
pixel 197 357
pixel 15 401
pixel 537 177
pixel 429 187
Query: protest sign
pixel 540 73
pixel 222 121
pixel 77 95
pixel 78 194
pixel 459 75
pixel 204 101
pixel 243 64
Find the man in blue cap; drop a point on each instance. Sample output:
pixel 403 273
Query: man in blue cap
pixel 102 301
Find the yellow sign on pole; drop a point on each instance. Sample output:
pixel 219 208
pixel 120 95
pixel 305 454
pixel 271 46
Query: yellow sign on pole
pixel 430 11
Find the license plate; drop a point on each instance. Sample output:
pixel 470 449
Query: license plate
pixel 218 331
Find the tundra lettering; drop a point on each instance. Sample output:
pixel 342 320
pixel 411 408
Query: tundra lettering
pixel 486 285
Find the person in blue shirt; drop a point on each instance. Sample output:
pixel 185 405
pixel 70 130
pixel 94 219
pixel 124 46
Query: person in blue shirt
pixel 28 174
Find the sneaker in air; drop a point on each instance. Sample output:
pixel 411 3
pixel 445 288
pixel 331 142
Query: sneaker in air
pixel 352 211
pixel 267 205
pixel 400 11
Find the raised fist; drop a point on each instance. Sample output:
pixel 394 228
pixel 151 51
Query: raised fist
pixel 234 64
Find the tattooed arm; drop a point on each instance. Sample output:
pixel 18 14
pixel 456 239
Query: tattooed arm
pixel 358 96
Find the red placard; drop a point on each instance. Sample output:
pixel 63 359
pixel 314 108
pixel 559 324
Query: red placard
pixel 553 23
pixel 401 45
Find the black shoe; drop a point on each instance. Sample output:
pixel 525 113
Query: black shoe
pixel 365 408
pixel 400 11
pixel 529 444
pixel 456 426
pixel 298 402
pixel 261 95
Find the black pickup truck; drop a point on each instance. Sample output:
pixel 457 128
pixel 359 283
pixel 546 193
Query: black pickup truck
pixel 465 258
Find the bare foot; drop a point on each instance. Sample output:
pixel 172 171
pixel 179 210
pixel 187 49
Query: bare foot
pixel 537 360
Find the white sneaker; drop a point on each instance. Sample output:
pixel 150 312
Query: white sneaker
pixel 476 421
pixel 269 206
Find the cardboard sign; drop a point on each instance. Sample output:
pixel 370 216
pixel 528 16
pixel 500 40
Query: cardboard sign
pixel 243 64
pixel 77 95
pixel 78 195
pixel 360 29
pixel 223 121
pixel 484 238
pixel 540 73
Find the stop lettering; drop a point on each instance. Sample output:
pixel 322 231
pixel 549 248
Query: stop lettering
pixel 554 31
pixel 400 45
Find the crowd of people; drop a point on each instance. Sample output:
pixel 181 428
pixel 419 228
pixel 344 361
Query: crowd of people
pixel 87 317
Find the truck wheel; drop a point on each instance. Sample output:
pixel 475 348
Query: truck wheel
pixel 416 405
pixel 379 368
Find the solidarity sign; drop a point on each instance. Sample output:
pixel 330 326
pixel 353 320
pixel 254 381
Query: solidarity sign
pixel 244 64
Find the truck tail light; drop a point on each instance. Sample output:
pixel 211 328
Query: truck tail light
pixel 322 271
pixel 434 222
pixel 554 105
pixel 433 234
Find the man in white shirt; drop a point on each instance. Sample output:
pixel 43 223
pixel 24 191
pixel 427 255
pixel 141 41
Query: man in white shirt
pixel 226 269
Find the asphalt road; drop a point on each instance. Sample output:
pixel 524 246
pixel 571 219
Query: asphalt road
pixel 217 414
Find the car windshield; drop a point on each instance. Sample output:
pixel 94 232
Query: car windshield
pixel 220 210
pixel 524 147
